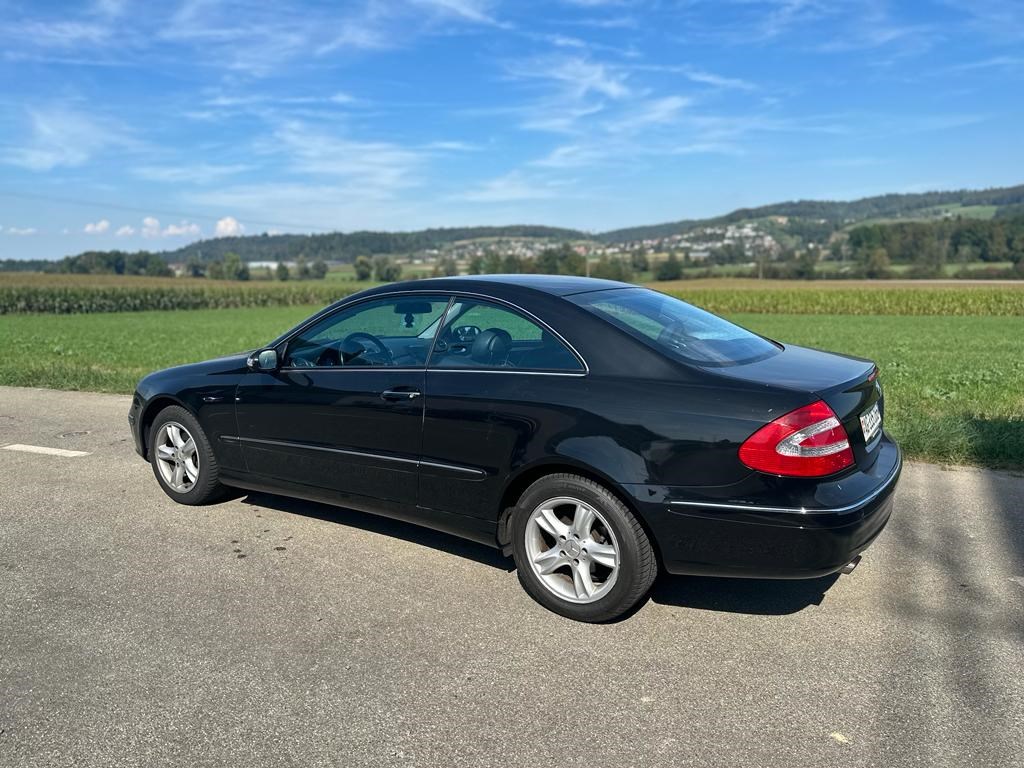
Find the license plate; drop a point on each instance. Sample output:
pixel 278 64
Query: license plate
pixel 871 423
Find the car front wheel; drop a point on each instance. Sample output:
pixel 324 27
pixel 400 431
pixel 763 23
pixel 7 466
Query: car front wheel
pixel 183 459
pixel 579 550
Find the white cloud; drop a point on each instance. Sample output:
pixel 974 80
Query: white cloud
pixel 652 112
pixel 150 227
pixel 64 137
pixel 477 11
pixel 24 231
pixel 125 231
pixel 382 25
pixel 718 81
pixel 511 187
pixel 59 34
pixel 199 173
pixel 375 168
pixel 312 205
pixel 97 228
pixel 182 229
pixel 576 75
pixel 109 8
pixel 573 156
pixel 559 118
pixel 451 146
pixel 357 34
pixel 229 226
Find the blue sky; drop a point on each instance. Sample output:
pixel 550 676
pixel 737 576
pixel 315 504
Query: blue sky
pixel 148 125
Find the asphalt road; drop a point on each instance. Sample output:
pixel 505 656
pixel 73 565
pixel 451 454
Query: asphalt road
pixel 264 631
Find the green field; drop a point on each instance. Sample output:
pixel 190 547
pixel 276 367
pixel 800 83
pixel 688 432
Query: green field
pixel 953 383
pixel 27 293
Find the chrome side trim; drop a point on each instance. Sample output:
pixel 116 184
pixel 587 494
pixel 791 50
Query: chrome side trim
pixel 351 369
pixel 800 510
pixel 573 374
pixel 325 449
pixel 347 452
pixel 453 467
pixel 386 369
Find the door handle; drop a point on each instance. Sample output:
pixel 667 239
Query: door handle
pixel 400 394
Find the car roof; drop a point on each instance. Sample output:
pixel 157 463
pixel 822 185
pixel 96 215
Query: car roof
pixel 498 285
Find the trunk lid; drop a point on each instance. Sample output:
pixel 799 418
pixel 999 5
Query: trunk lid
pixel 849 385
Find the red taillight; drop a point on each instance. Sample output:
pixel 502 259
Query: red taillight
pixel 807 442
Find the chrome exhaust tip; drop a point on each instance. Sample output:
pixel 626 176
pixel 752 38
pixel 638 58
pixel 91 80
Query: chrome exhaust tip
pixel 848 568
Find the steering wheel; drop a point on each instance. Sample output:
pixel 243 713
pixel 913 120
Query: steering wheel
pixel 362 337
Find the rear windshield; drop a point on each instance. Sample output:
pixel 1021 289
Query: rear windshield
pixel 676 328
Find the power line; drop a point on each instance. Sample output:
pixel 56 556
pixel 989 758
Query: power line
pixel 155 211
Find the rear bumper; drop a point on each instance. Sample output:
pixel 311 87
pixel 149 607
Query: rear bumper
pixel 794 530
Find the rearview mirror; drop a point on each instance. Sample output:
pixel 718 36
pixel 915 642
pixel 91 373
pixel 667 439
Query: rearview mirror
pixel 264 360
pixel 412 308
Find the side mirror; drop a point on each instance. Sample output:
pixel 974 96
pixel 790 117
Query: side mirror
pixel 264 360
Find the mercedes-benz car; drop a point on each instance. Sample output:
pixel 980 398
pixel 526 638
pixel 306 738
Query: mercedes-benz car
pixel 597 432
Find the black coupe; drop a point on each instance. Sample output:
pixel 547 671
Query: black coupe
pixel 594 430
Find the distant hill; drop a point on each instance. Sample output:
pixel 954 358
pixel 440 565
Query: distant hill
pixel 834 212
pixel 809 220
pixel 339 246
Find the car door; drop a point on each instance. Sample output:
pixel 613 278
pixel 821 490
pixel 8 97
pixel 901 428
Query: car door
pixel 500 386
pixel 344 411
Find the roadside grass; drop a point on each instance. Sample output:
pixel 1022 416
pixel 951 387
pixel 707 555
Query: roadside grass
pixel 110 352
pixel 953 384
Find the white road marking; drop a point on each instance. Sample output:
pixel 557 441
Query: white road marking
pixel 42 449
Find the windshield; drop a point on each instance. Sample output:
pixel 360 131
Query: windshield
pixel 677 328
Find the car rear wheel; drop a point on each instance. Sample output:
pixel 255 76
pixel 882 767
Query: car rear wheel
pixel 579 550
pixel 183 459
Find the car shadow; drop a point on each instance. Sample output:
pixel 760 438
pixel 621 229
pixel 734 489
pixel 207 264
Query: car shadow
pixel 752 596
pixel 762 597
pixel 384 526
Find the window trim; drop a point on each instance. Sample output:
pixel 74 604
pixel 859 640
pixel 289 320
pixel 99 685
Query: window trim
pixel 283 341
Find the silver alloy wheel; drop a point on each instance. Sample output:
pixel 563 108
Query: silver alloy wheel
pixel 572 549
pixel 176 457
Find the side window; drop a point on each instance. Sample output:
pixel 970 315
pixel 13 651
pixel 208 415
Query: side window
pixel 396 331
pixel 479 334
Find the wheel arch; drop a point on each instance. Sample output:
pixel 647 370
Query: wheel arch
pixel 526 476
pixel 149 414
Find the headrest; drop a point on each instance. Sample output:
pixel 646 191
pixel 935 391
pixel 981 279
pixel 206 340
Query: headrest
pixel 491 347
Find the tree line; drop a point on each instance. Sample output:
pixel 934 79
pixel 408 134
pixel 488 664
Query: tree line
pixel 928 246
pixel 232 267
pixel 112 263
pixel 346 247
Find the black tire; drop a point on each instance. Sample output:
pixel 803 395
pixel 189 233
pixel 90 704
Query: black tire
pixel 207 487
pixel 637 562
